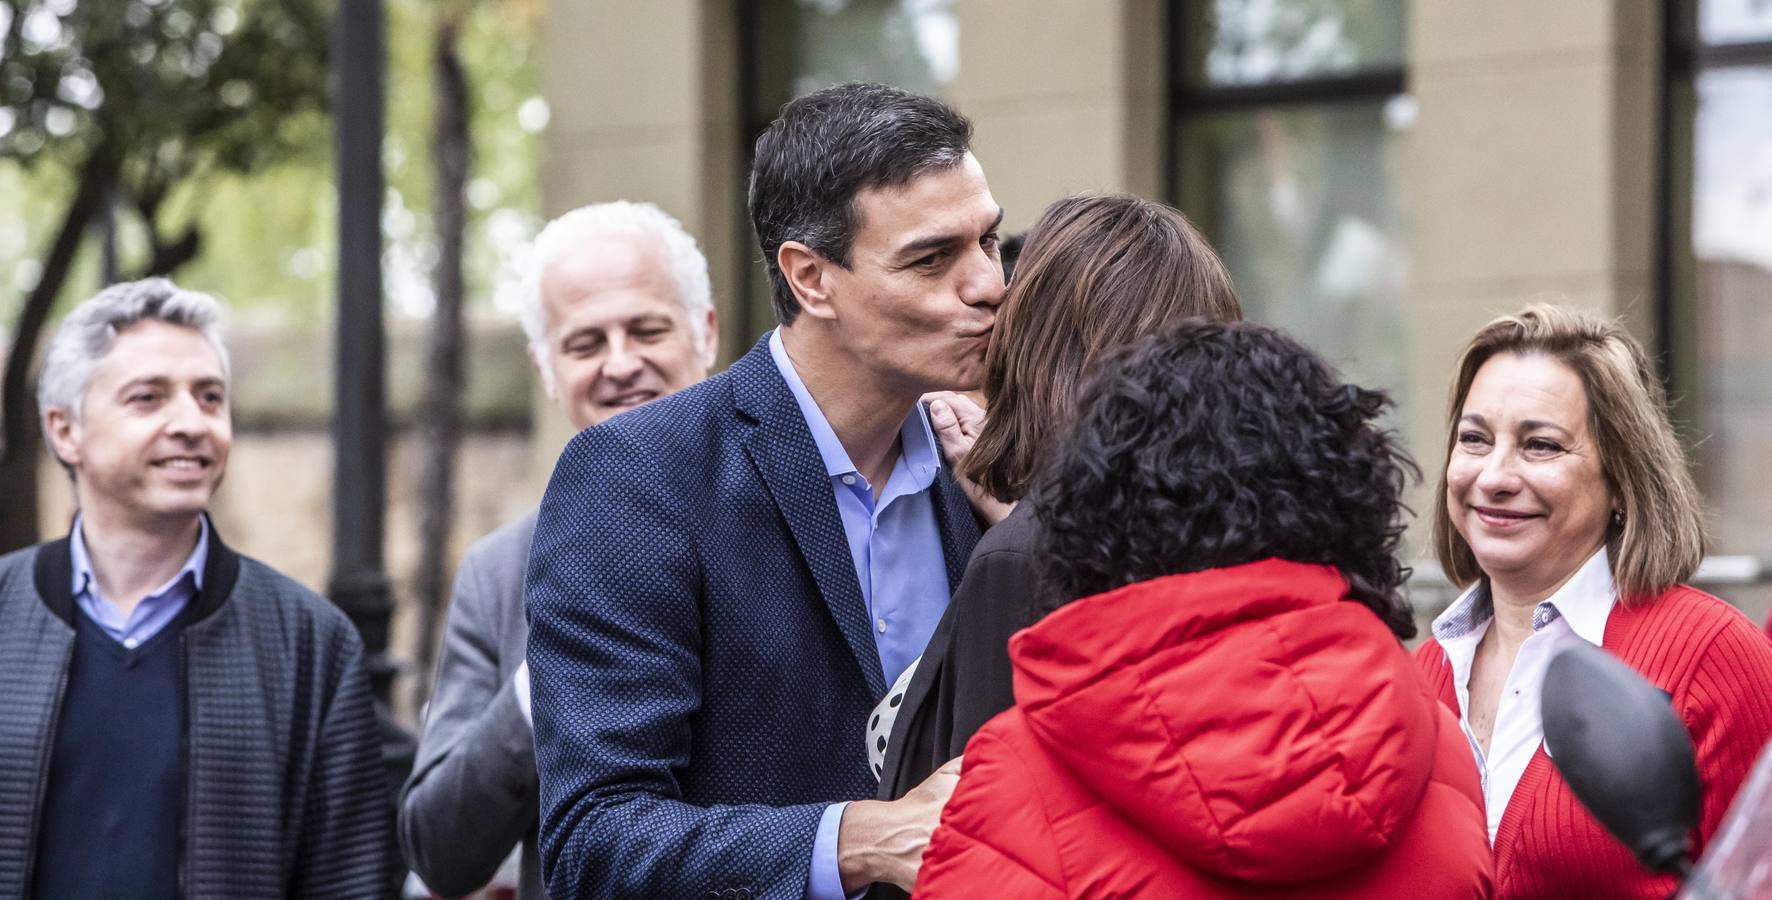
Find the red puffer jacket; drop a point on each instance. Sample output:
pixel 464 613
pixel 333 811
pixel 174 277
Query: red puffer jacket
pixel 1241 732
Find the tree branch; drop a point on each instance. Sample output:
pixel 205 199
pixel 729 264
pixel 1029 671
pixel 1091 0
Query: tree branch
pixel 18 408
pixel 168 257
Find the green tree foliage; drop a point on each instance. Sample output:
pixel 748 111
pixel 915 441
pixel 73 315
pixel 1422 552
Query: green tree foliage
pixel 209 116
pixel 134 98
pixel 161 91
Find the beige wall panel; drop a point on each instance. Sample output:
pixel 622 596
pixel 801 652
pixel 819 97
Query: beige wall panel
pixel 724 231
pixel 1636 136
pixel 1039 153
pixel 1511 172
pixel 651 165
pixel 1066 96
pixel 613 63
pixel 1145 109
pixel 1457 32
pixel 1010 49
pixel 645 107
pixel 1525 101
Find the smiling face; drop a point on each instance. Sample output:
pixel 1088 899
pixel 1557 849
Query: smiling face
pixel 617 332
pixel 150 444
pixel 917 302
pixel 1524 482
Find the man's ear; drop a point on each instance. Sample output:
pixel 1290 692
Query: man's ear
pixel 64 435
pixel 710 339
pixel 808 275
pixel 543 372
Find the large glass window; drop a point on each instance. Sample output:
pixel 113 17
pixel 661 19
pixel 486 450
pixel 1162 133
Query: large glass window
pixel 1287 114
pixel 1245 42
pixel 804 45
pixel 795 47
pixel 1719 290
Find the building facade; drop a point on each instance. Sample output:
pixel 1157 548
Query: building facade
pixel 1382 176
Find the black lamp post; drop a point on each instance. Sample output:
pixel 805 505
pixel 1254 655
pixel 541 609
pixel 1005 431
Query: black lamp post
pixel 359 583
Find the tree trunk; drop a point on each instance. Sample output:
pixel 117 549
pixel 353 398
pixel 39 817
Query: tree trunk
pixel 19 429
pixel 440 420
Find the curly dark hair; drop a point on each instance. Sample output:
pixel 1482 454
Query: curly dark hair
pixel 1214 444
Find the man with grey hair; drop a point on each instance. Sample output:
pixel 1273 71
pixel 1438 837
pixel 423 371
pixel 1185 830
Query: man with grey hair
pixel 180 720
pixel 619 312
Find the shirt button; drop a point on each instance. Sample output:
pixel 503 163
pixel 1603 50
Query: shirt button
pixel 880 624
pixel 849 479
pixel 131 643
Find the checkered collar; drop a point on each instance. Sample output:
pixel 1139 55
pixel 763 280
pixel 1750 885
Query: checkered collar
pixel 1586 600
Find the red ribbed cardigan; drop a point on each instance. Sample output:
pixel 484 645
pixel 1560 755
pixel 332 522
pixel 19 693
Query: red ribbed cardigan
pixel 1718 667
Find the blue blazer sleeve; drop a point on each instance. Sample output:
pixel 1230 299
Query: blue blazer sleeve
pixel 614 595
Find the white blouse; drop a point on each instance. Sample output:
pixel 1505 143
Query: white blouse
pixel 881 719
pixel 1577 611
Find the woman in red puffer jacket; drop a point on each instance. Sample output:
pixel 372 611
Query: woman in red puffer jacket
pixel 1226 711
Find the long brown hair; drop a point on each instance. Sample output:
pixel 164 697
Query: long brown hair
pixel 1661 540
pixel 1096 273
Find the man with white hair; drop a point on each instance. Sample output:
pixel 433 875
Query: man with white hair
pixel 619 312
pixel 180 720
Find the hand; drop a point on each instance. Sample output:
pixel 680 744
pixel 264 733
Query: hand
pixel 957 420
pixel 884 840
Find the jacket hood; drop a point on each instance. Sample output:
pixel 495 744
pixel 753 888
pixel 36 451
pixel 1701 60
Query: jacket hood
pixel 1247 719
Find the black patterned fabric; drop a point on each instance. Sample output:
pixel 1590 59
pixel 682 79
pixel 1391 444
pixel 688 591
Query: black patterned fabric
pixel 285 788
pixel 702 663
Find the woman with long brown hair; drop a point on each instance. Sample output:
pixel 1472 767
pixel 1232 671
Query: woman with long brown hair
pixel 1096 274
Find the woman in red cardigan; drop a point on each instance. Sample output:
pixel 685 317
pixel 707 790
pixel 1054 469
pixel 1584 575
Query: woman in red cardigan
pixel 1567 508
pixel 1216 704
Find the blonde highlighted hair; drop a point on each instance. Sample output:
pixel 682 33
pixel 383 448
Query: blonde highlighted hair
pixel 1661 540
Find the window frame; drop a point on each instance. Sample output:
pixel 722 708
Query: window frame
pixel 1187 101
pixel 1684 58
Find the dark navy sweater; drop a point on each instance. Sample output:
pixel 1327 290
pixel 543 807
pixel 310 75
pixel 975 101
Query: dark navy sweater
pixel 283 791
pixel 112 811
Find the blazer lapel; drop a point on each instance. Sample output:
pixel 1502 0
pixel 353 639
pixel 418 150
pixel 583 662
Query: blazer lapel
pixel 958 525
pixel 787 460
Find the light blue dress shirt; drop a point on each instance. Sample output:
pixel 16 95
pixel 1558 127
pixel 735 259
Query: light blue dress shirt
pixel 895 543
pixel 155 611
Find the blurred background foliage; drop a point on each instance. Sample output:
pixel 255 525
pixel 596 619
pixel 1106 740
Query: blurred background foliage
pixel 148 73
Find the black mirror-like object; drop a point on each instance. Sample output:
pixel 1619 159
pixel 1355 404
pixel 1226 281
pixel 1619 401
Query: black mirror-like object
pixel 1618 742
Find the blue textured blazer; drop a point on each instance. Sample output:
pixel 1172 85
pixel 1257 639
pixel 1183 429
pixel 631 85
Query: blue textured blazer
pixel 700 654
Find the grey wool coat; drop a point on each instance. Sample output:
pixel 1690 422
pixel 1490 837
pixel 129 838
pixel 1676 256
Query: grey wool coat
pixel 284 789
pixel 472 794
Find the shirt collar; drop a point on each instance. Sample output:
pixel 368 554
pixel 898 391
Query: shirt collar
pixel 916 439
pixel 85 580
pixel 1585 600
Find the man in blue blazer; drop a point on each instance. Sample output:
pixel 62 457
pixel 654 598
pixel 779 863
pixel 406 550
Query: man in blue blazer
pixel 723 582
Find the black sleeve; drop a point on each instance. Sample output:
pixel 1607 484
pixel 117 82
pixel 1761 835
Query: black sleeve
pixel 345 849
pixel 993 602
pixel 963 678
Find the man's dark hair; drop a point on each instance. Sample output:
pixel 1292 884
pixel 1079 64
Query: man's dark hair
pixel 830 145
pixel 1216 444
